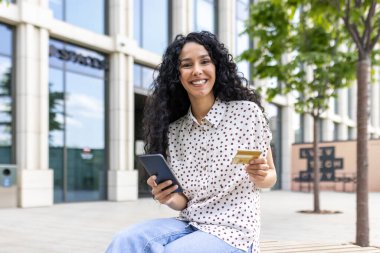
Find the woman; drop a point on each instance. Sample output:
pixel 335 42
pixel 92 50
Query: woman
pixel 197 117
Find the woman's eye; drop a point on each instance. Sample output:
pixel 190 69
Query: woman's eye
pixel 186 65
pixel 205 62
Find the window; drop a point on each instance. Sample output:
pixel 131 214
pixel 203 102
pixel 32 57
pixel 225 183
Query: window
pixel 351 133
pixel 349 103
pixel 151 24
pixel 142 76
pixel 242 41
pixel 336 131
pixel 336 104
pixel 77 122
pixel 321 136
pixel 88 14
pixel 205 16
pixel 274 117
pixel 298 125
pixel 6 101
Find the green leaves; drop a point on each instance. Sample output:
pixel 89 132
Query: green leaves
pixel 312 38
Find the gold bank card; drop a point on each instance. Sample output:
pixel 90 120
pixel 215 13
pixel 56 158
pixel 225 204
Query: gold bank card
pixel 244 156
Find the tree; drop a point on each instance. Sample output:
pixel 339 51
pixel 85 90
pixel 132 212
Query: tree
pixel 357 23
pixel 282 28
pixel 369 18
pixel 361 20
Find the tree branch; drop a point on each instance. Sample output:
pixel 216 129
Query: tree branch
pixel 368 27
pixel 352 29
pixel 376 39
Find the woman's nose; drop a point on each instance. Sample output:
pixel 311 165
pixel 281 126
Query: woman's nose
pixel 197 70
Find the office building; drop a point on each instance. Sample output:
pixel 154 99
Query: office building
pixel 74 75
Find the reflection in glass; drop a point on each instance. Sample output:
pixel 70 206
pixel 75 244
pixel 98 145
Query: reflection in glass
pixel 205 15
pixel 88 14
pixel 151 24
pixel 84 136
pixel 298 126
pixel 77 129
pixel 6 94
pixel 274 118
pixel 349 103
pixel 6 40
pixel 143 76
pixel 242 40
pixel 5 110
pixel 321 128
pixel 336 131
pixel 57 7
pixel 336 106
pixel 351 133
pixel 56 130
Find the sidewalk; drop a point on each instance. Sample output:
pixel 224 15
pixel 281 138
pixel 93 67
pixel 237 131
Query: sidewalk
pixel 89 227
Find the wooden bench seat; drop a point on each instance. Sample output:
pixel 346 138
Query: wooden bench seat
pixel 298 247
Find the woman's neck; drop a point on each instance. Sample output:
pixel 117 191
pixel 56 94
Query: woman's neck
pixel 201 106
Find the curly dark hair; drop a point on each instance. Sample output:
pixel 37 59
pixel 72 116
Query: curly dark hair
pixel 169 100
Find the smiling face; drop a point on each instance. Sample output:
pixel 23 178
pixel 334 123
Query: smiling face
pixel 197 71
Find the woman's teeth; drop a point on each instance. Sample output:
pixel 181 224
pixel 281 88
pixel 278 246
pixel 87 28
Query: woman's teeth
pixel 199 82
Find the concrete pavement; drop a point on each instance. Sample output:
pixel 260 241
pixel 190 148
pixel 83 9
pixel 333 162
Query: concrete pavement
pixel 89 227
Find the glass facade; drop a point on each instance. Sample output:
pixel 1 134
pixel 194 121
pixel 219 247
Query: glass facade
pixel 298 126
pixel 77 122
pixel 351 133
pixel 321 128
pixel 149 14
pixel 88 14
pixel 336 105
pixel 142 79
pixel 336 131
pixel 142 76
pixel 6 100
pixel 274 116
pixel 242 41
pixel 205 16
pixel 349 103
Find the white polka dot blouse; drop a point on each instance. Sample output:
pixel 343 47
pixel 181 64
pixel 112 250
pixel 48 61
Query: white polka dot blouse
pixel 222 199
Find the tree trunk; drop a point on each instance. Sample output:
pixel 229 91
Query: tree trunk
pixel 362 224
pixel 316 166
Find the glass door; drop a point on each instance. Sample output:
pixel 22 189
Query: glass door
pixel 77 127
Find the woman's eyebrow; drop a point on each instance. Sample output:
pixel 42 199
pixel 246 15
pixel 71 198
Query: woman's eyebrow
pixel 189 59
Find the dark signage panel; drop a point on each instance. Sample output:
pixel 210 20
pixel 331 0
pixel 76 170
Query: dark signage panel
pixel 68 55
pixel 328 164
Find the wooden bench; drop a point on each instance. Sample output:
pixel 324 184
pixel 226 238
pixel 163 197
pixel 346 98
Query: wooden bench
pixel 298 247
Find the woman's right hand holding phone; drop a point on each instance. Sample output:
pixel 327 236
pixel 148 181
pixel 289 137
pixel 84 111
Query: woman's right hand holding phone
pixel 174 200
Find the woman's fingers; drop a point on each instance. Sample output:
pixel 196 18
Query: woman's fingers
pixel 164 195
pixel 152 181
pixel 159 191
pixel 257 169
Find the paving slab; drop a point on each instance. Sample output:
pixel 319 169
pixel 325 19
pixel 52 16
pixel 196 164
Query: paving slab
pixel 88 227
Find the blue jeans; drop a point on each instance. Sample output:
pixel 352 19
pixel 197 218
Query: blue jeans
pixel 167 236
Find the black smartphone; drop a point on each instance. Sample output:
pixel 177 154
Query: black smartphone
pixel 155 164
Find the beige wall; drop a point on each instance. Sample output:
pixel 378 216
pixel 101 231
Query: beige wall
pixel 347 151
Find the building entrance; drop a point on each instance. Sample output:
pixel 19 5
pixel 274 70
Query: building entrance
pixel 77 123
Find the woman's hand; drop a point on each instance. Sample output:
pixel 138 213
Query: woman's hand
pixel 261 171
pixel 174 200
